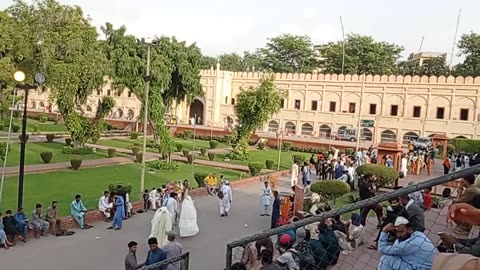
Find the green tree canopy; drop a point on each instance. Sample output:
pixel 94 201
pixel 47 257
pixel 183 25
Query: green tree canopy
pixel 362 55
pixel 469 46
pixel 431 67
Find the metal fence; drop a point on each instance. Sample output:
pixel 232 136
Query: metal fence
pixel 176 263
pixel 235 249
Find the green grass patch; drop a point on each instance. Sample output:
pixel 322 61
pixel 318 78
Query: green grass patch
pixel 128 143
pixel 90 183
pixel 42 127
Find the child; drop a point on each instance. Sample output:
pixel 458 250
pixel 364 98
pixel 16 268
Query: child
pixel 146 200
pixel 427 198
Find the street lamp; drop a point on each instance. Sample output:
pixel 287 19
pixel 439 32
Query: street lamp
pixel 19 77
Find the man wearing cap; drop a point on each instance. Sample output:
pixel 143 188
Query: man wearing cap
pixel 131 258
pixel 287 258
pixel 411 251
pixel 226 201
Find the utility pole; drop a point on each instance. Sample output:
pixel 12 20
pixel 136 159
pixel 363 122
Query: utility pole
pixel 145 119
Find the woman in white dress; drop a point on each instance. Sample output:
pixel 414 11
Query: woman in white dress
pixel 162 222
pixel 266 199
pixel 188 218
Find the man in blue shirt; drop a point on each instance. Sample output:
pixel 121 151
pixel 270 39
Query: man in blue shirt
pixel 411 251
pixel 155 254
pixel 22 222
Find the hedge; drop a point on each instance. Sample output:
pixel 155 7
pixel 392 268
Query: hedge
pixel 190 157
pixel 262 145
pixel 133 135
pixel 199 177
pixel 76 163
pixel 68 141
pixel 211 156
pixel 179 147
pixel 50 137
pixel 465 145
pixel 35 128
pixel 166 166
pixel 125 187
pixel 228 139
pixel 46 157
pixel 384 175
pixel 77 151
pixel 213 144
pixel 269 164
pixel 203 151
pixel 20 138
pixel 331 189
pixel 255 168
pixel 187 134
pixel 15 128
pixel 185 152
pixel 111 152
pixel 135 150
pixel 43 119
pixel 286 146
pixel 139 157
pixel 299 158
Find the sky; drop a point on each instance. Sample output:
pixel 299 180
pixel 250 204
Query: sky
pixel 224 26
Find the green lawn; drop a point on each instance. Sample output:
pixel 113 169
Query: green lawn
pixel 42 127
pixel 90 183
pixel 128 143
pixel 33 151
pixel 262 155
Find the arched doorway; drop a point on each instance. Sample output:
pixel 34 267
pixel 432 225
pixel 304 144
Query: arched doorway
pixel 307 129
pixel 131 114
pixel 325 131
pixel 272 126
pixel 367 135
pixel 118 114
pixel 388 136
pixel 228 121
pixel 410 136
pixel 290 128
pixel 460 137
pixel 196 109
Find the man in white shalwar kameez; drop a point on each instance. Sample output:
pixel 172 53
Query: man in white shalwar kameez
pixel 226 201
pixel 294 175
pixel 188 218
pixel 266 199
pixel 172 206
pixel 162 222
pixel 104 206
pixel 154 197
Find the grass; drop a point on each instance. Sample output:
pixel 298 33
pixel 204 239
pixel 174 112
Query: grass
pixel 33 151
pixel 128 143
pixel 90 183
pixel 42 127
pixel 262 156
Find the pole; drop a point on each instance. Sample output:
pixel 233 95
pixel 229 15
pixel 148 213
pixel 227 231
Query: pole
pixel 145 121
pixel 454 41
pixel 23 144
pixel 279 139
pixel 8 144
pixel 193 146
pixel 419 51
pixel 360 114
pixel 343 45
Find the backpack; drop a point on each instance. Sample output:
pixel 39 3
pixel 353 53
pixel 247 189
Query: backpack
pixel 220 195
pixel 303 256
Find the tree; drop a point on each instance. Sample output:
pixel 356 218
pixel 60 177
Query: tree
pixel 231 62
pixel 254 107
pixel 208 62
pixel 432 67
pixel 362 55
pixel 288 53
pixel 469 46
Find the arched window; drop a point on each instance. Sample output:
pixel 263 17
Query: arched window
pixel 410 136
pixel 131 114
pixel 228 121
pixel 42 105
pixel 34 105
pixel 232 101
pixel 307 129
pixel 325 131
pixel 290 127
pixel 89 109
pixel 272 126
pixel 388 136
pixel 119 113
pixel 367 135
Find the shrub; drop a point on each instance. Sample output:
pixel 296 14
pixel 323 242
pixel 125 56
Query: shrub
pixel 77 151
pixel 211 156
pixel 46 157
pixel 50 137
pixel 261 145
pixel 136 144
pixel 35 128
pixel 465 145
pixel 269 164
pixel 384 175
pixel 234 155
pixel 16 114
pixel 348 151
pixel 15 128
pixel 227 139
pixel 179 147
pixel 139 157
pixel 190 157
pixel 255 168
pixel 111 152
pixel 76 163
pixel 166 166
pixel 43 119
pixel 135 150
pixel 203 151
pixel 199 177
pixel 331 189
pixel 95 138
pixel 133 135
pixel 187 134
pixel 299 158
pixel 125 187
pixel 109 127
pixel 213 144
pixel 68 141
pixel 20 137
pixel 185 152
pixel 286 146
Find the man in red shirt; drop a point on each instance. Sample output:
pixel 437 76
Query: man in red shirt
pixel 427 199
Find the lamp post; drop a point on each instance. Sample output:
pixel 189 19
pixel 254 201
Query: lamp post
pixel 145 118
pixel 279 141
pixel 39 78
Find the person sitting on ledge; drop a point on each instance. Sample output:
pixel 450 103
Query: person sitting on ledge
pixel 211 184
pixel 52 219
pixel 11 227
pixel 78 210
pixel 22 222
pixel 40 226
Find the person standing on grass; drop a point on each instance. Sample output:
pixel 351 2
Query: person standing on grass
pixel 119 213
pixel 266 199
pixel 131 258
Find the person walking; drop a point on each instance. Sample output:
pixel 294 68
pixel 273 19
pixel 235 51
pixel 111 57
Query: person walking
pixel 131 258
pixel 226 199
pixel 119 213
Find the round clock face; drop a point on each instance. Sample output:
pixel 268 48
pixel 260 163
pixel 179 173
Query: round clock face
pixel 39 78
